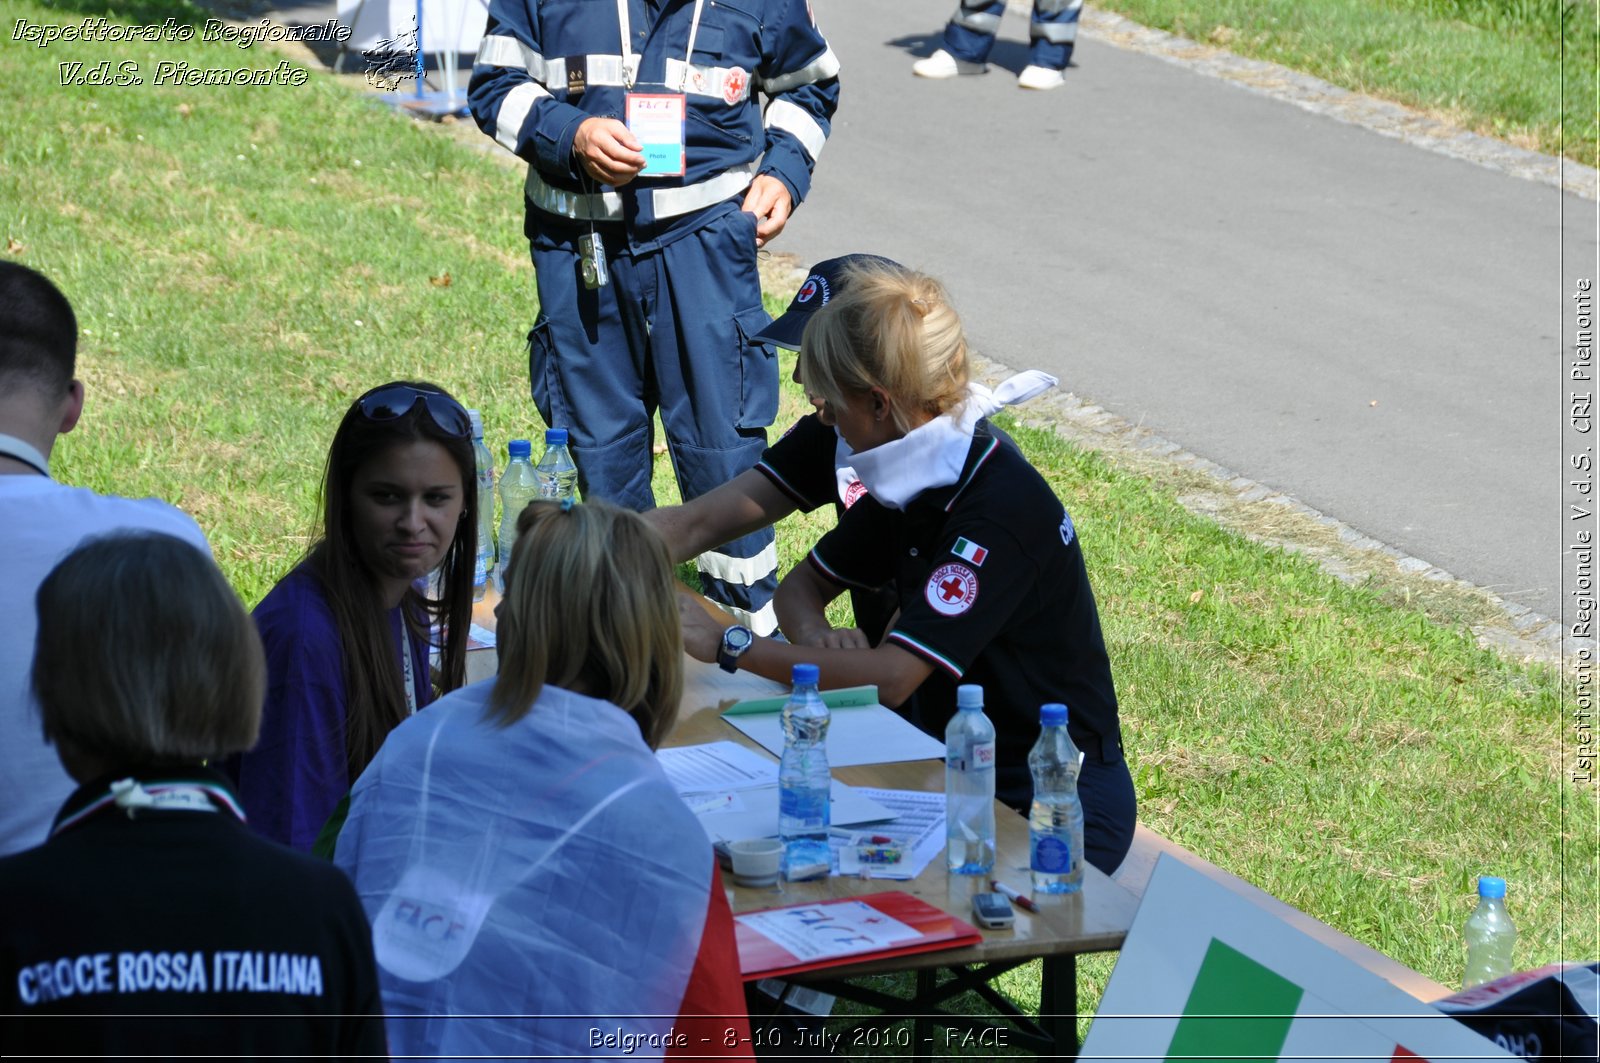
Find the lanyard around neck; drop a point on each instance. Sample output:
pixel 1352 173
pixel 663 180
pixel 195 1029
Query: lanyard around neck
pixel 132 795
pixel 630 61
pixel 25 452
pixel 405 660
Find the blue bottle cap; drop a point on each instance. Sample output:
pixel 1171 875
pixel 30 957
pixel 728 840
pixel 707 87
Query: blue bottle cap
pixel 555 436
pixel 1491 886
pixel 969 696
pixel 1052 715
pixel 519 448
pixel 805 674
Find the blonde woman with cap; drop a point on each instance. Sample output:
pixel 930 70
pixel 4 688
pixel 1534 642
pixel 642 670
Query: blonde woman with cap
pixel 985 561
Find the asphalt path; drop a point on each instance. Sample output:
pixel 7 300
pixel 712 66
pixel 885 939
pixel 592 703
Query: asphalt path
pixel 1369 327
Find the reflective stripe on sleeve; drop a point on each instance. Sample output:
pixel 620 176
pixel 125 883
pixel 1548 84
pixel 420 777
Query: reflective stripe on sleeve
pixel 512 53
pixel 513 113
pixel 781 114
pixel 821 68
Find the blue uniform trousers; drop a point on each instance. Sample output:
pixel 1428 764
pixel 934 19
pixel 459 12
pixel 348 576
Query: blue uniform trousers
pixel 1052 31
pixel 669 333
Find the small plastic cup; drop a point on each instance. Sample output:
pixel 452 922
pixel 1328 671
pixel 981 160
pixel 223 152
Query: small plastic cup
pixel 756 861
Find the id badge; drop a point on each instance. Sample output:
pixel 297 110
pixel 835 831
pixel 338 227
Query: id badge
pixel 656 120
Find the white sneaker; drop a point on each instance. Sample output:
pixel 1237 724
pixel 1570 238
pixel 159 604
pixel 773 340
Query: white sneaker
pixel 1039 77
pixel 942 64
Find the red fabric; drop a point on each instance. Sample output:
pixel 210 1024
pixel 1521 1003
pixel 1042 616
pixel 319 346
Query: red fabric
pixel 712 1017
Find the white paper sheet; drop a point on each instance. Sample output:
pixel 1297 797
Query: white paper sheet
pixel 716 767
pixel 917 830
pixel 755 814
pixel 867 734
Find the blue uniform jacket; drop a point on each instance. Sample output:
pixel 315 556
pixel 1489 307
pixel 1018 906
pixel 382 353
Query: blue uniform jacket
pixel 546 65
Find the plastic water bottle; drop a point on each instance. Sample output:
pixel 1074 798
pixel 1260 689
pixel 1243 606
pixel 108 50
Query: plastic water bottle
pixel 558 476
pixel 1055 823
pixel 518 487
pixel 1489 935
pixel 969 785
pixel 485 466
pixel 804 781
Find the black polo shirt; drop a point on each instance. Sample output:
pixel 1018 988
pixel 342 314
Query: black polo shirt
pixel 176 933
pixel 992 590
pixel 802 464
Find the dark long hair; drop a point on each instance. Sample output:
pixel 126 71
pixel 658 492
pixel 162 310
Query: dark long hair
pixel 374 689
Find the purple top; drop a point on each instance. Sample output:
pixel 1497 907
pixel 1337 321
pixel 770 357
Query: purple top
pixel 292 780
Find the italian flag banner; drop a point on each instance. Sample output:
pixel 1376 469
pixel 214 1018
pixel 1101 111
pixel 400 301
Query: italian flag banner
pixel 1206 974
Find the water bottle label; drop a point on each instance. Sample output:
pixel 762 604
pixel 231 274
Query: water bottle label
pixel 1050 855
pixel 803 808
pixel 982 755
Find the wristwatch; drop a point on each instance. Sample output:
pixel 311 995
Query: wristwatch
pixel 735 641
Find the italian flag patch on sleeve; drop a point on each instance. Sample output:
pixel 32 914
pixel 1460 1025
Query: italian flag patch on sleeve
pixel 968 550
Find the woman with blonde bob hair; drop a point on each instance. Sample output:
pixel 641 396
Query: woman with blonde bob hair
pixel 522 856
pixel 153 921
pixel 985 562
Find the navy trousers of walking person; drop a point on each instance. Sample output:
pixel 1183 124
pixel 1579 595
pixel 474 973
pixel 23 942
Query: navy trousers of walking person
pixel 670 332
pixel 1052 31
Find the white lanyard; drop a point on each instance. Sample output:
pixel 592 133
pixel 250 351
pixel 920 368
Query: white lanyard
pixel 630 67
pixel 131 795
pixel 405 660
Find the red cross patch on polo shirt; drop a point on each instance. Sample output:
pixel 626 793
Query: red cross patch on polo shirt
pixel 952 589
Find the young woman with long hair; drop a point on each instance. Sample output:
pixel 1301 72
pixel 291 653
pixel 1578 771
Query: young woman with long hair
pixel 348 631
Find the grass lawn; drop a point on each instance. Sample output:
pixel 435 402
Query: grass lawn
pixel 245 260
pixel 1520 70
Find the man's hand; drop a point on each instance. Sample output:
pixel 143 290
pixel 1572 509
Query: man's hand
pixel 768 199
pixel 607 151
pixel 702 636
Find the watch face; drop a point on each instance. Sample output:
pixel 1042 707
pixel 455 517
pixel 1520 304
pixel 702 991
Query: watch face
pixel 737 639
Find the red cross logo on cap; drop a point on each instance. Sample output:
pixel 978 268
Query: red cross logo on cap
pixel 733 88
pixel 951 589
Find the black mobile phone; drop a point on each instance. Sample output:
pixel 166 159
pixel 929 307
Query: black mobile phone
pixel 993 911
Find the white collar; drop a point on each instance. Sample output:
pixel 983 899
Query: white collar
pixel 933 454
pixel 25 452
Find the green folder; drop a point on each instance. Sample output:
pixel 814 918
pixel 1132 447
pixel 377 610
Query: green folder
pixel 843 698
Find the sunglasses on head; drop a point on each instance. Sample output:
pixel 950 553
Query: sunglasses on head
pixel 395 401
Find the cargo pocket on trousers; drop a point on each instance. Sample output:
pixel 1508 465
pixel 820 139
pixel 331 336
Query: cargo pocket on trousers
pixel 542 378
pixel 758 371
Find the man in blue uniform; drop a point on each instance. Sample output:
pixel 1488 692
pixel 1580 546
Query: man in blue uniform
pixel 971 31
pixel 653 177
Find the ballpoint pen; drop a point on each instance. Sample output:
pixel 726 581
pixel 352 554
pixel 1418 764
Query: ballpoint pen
pixel 1016 898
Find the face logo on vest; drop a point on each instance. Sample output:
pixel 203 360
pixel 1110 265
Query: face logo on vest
pixel 952 589
pixel 1067 531
pixel 735 84
pixel 814 286
pixel 854 493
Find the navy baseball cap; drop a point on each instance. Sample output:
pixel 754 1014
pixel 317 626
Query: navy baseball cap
pixel 826 280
